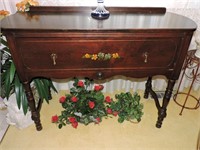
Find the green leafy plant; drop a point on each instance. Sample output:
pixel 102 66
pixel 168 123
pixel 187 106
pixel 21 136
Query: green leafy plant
pixel 86 104
pixel 10 82
pixel 127 106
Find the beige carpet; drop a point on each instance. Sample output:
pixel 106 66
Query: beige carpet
pixel 177 133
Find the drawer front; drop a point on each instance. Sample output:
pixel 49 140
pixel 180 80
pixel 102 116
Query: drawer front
pixel 95 54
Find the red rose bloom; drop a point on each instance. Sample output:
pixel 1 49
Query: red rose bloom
pixel 74 99
pixel 91 104
pixel 75 124
pixel 62 99
pixel 80 83
pixel 54 119
pixel 115 113
pixel 72 119
pixel 101 87
pixel 109 110
pixel 98 120
pixel 97 87
pixel 108 99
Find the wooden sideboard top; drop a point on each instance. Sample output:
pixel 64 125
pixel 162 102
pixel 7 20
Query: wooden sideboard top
pixel 79 18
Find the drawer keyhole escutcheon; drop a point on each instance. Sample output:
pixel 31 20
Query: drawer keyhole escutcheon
pixel 54 57
pixel 145 54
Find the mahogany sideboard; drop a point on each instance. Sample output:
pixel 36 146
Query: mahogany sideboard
pixel 51 42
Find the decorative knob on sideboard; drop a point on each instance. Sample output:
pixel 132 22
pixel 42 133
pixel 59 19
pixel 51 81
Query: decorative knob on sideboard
pixel 99 75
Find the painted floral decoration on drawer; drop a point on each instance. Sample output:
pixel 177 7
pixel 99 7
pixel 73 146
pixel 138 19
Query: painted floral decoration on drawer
pixel 87 104
pixel 101 56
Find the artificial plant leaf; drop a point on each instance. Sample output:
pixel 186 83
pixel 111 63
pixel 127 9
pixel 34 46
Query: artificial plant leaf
pixel 3 78
pixel 41 91
pixel 46 90
pixel 36 83
pixel 4 42
pixel 12 72
pixel 99 96
pixel 52 86
pixel 7 83
pixel 60 126
pixel 18 91
pixel 7 50
pixel 6 65
pixel 121 119
pixel 86 121
pixel 24 102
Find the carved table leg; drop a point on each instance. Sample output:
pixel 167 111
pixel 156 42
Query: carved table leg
pixel 162 111
pixel 31 102
pixel 148 87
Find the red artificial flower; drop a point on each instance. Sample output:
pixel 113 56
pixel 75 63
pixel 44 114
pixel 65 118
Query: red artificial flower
pixel 74 99
pixel 91 104
pixel 115 113
pixel 98 87
pixel 54 119
pixel 74 124
pixel 108 99
pixel 98 120
pixel 72 119
pixel 101 87
pixel 62 99
pixel 109 110
pixel 80 83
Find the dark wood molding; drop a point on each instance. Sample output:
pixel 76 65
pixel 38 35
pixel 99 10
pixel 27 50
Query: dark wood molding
pixel 59 9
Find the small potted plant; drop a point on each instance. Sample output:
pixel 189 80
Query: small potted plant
pixel 10 82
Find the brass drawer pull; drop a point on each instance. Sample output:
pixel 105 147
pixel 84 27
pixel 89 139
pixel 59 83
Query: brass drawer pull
pixel 54 57
pixel 145 55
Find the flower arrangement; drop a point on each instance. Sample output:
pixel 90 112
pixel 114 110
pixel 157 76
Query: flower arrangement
pixel 85 105
pixel 81 105
pixel 4 12
pixel 24 5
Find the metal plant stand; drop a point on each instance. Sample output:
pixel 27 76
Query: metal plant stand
pixel 193 64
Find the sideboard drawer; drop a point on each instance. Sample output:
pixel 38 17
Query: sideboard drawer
pixel 71 54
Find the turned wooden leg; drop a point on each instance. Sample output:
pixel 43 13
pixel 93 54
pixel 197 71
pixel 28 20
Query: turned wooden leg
pixel 148 87
pixel 31 102
pixel 162 112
